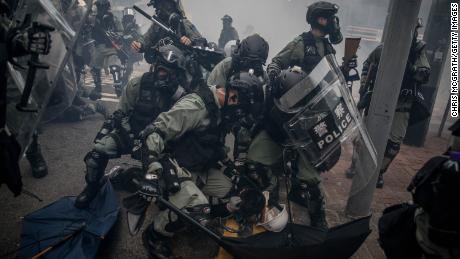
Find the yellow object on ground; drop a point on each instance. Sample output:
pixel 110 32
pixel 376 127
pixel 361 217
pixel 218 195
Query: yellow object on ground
pixel 232 224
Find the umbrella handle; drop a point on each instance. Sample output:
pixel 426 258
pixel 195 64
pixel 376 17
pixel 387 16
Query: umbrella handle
pixel 191 220
pixel 41 253
pixel 49 248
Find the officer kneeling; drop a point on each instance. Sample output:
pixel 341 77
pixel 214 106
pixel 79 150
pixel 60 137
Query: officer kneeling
pixel 193 132
pixel 142 100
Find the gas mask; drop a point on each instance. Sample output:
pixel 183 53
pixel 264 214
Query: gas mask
pixel 163 9
pixel 166 80
pixel 333 29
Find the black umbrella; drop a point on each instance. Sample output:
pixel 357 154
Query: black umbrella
pixel 295 241
pixel 60 230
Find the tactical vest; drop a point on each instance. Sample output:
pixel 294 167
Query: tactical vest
pixel 201 150
pixel 311 55
pixel 150 104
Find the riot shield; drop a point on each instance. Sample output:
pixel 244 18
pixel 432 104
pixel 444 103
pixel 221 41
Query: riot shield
pixel 67 18
pixel 326 127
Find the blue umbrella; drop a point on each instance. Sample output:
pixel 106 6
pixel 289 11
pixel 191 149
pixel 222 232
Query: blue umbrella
pixel 60 230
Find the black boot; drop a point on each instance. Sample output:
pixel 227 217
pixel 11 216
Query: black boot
pixel 87 195
pixel 310 196
pixel 317 211
pixel 96 93
pixel 95 166
pixel 380 181
pixel 36 160
pixel 157 245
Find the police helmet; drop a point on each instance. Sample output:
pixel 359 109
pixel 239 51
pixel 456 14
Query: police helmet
pixel 249 87
pixel 288 79
pixel 171 57
pixel 102 4
pixel 227 18
pixel 254 48
pixel 320 9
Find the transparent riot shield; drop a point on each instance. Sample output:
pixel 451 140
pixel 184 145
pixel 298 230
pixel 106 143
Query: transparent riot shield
pixel 67 18
pixel 326 128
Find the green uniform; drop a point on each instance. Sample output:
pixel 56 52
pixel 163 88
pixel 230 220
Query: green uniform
pixel 103 54
pixel 305 51
pixel 227 34
pixel 155 33
pixel 221 72
pixel 268 151
pixel 189 114
pixel 416 73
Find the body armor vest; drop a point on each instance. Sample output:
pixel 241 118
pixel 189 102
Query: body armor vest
pixel 200 150
pixel 311 55
pixel 151 103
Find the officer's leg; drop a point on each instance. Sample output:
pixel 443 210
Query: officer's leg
pixel 35 158
pixel 218 183
pixel 129 70
pixel 189 198
pixel 96 93
pixel 306 191
pixel 397 134
pixel 117 73
pixel 265 150
pixel 97 61
pixel 96 162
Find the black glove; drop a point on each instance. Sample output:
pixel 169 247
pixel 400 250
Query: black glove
pixel 149 189
pixel 39 39
pixel 353 62
pixel 273 74
pixel 35 39
pixel 147 131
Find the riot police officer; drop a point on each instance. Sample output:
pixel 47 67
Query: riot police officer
pixel 228 33
pixel 142 100
pixel 193 131
pixel 417 73
pixel 169 12
pixel 308 49
pixel 250 53
pixel 131 32
pixel 103 52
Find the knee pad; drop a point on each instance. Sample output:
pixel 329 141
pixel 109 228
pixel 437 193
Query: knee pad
pixel 95 166
pixel 392 149
pixel 116 73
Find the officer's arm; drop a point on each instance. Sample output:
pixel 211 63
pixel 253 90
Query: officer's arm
pixel 219 74
pixel 187 114
pixel 130 95
pixel 284 59
pixel 147 39
pixel 191 31
pixel 422 68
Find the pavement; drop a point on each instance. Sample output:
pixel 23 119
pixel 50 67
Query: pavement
pixel 65 144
